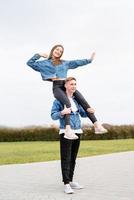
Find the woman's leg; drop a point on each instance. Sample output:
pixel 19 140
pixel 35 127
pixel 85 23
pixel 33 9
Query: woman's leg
pixel 60 94
pixel 81 100
pixel 99 129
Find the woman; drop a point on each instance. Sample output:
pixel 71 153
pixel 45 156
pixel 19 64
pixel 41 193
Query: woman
pixel 54 69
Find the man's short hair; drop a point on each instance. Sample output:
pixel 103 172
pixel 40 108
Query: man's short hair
pixel 69 79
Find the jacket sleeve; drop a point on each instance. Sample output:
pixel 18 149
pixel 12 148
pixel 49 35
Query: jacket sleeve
pixel 82 112
pixel 33 63
pixel 56 111
pixel 77 63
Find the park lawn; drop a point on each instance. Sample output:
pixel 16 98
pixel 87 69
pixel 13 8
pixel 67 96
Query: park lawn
pixel 27 152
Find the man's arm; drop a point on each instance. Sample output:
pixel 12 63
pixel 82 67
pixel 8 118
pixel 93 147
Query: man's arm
pixel 82 112
pixel 58 112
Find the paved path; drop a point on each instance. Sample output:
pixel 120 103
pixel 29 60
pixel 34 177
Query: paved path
pixel 107 177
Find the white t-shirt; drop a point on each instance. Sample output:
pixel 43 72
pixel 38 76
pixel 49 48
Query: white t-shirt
pixel 73 105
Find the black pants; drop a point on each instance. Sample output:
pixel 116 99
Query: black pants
pixel 68 153
pixel 60 94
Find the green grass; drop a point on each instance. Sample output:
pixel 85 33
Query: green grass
pixel 26 152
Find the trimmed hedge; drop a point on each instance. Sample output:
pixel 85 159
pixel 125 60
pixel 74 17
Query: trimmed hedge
pixel 51 134
pixel 28 134
pixel 114 132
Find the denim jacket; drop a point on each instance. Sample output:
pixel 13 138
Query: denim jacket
pixel 48 70
pixel 75 121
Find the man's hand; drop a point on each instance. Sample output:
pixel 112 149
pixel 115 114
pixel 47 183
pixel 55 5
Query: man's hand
pixel 92 56
pixel 66 110
pixel 91 110
pixel 44 55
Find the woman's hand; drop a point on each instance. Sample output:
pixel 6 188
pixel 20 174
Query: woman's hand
pixel 44 55
pixel 92 56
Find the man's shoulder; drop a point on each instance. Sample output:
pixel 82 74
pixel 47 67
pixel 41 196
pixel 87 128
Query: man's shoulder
pixel 57 102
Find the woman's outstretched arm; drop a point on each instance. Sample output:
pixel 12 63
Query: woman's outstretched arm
pixel 77 63
pixel 34 63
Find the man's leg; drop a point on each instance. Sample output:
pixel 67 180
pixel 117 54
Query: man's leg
pixel 74 152
pixel 65 153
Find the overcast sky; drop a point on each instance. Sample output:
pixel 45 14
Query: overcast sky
pixel 32 26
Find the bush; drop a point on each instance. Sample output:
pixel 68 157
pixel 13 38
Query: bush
pixel 114 132
pixel 28 134
pixel 51 134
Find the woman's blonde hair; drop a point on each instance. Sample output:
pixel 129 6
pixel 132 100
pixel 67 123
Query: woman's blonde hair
pixel 57 61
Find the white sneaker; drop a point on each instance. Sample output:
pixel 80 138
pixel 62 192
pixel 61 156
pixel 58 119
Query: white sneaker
pixel 100 130
pixel 68 189
pixel 69 134
pixel 75 185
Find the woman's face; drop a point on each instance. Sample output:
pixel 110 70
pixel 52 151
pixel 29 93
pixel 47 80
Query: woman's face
pixel 58 51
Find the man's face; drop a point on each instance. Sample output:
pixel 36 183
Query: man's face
pixel 71 86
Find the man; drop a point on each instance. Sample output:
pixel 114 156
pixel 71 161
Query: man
pixel 69 148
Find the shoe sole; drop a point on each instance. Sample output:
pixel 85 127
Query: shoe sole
pixel 69 193
pixel 75 188
pixel 70 138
